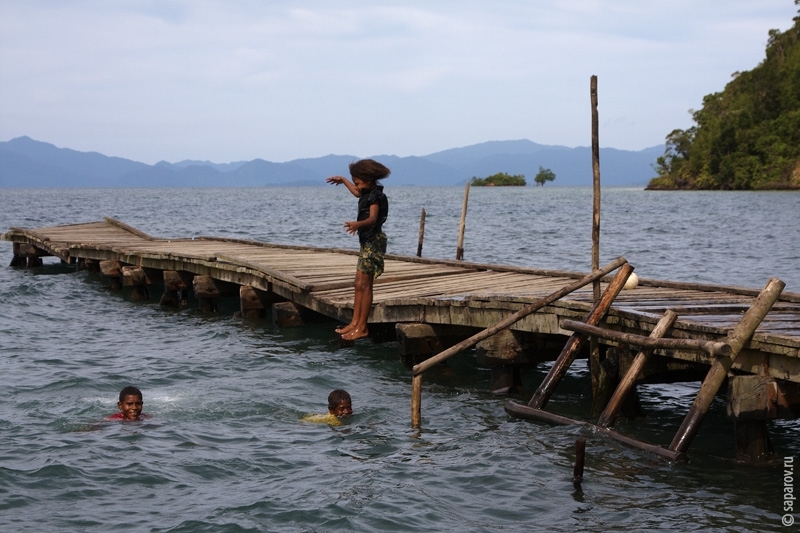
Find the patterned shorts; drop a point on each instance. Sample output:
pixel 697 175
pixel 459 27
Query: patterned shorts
pixel 370 258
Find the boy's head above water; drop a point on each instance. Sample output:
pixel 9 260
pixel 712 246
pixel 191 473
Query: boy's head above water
pixel 130 403
pixel 339 403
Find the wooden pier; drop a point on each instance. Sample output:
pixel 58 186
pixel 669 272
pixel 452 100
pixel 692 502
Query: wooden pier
pixel 428 305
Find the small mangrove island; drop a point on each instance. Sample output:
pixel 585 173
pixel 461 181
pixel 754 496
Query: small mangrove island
pixel 502 179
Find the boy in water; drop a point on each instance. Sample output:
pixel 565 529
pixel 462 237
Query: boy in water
pixel 339 406
pixel 130 405
pixel 373 208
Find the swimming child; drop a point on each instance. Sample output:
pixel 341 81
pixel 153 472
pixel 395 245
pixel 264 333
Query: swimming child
pixel 130 405
pixel 373 208
pixel 339 406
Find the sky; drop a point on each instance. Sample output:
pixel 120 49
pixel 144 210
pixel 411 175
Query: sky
pixel 236 80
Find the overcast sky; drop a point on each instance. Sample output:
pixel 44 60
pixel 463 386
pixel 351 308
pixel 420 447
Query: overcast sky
pixel 225 81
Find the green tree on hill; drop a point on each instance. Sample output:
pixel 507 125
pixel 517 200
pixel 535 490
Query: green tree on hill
pixel 747 136
pixel 544 175
pixel 501 179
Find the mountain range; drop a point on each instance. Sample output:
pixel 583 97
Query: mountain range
pixel 25 162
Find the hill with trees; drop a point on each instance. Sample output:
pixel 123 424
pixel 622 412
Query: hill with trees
pixel 746 137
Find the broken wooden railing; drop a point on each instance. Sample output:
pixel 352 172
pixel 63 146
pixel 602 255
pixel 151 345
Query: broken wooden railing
pixel 416 380
pixel 726 352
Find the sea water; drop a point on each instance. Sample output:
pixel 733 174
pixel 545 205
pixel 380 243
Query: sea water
pixel 226 450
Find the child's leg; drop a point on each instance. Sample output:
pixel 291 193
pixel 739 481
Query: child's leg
pixel 349 327
pixel 362 304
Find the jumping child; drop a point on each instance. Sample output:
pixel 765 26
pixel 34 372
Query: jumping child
pixel 373 207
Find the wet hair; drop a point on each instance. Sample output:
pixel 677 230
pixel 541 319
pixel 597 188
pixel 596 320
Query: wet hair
pixel 129 391
pixel 368 170
pixel 336 397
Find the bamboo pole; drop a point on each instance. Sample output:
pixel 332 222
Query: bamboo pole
pixel 596 184
pixel 715 348
pixel 580 459
pixel 416 401
pixel 719 370
pixel 529 413
pixel 522 313
pixel 460 249
pixel 608 416
pixel 421 232
pixel 570 350
pixel 594 345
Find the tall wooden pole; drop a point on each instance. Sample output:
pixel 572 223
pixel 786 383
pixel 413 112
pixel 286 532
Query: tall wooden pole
pixel 421 232
pixel 596 183
pixel 460 250
pixel 594 345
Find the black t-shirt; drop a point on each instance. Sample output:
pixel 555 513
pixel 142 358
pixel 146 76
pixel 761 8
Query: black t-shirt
pixel 374 196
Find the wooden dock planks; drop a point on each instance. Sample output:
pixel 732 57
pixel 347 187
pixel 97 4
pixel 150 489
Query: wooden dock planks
pixel 322 278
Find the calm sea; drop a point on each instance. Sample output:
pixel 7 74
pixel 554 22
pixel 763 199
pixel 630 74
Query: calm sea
pixel 226 449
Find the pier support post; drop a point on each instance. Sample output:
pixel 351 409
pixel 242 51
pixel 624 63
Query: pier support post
pixel 135 278
pixel 26 255
pixel 89 265
pixel 176 288
pixel 113 271
pixel 253 303
pixel 287 314
pixel 752 400
pixel 417 341
pixel 503 352
pixel 207 290
pixel 250 304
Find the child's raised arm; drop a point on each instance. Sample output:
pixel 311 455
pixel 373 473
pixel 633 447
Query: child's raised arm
pixel 336 180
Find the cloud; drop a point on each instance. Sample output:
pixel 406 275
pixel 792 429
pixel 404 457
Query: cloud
pixel 208 79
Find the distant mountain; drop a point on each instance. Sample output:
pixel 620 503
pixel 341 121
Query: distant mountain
pixel 25 162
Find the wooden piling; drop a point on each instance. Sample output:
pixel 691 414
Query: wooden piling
pixel 206 291
pixel 176 287
pixel 719 370
pixel 608 416
pixel 460 249
pixel 421 232
pixel 580 459
pixel 416 401
pixel 135 278
pixel 113 271
pixel 594 345
pixel 573 344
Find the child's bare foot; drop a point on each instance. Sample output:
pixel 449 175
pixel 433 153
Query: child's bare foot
pixel 341 330
pixel 355 334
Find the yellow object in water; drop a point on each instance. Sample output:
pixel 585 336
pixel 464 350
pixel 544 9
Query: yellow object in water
pixel 327 418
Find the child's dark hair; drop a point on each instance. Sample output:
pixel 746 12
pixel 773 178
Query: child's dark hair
pixel 368 170
pixel 336 397
pixel 129 391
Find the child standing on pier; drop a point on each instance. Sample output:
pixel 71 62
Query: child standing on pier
pixel 373 207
